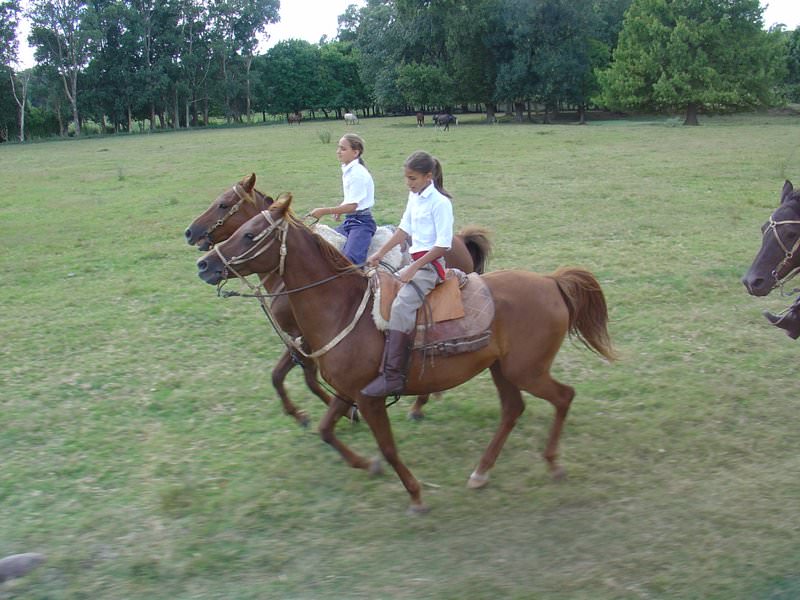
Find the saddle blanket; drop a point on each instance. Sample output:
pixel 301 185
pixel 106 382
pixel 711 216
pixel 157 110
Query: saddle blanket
pixel 456 317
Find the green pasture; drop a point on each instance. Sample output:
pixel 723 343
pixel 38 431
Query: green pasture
pixel 144 452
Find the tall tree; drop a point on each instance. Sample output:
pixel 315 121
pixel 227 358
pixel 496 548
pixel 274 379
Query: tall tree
pixel 692 55
pixel 793 65
pixel 237 24
pixel 9 21
pixel 62 32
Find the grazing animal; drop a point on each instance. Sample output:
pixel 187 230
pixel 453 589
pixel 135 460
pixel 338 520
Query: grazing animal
pixel 534 313
pixel 295 117
pixel 471 248
pixel 350 119
pixel 443 120
pixel 420 119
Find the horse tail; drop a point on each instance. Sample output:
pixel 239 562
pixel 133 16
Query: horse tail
pixel 588 314
pixel 479 245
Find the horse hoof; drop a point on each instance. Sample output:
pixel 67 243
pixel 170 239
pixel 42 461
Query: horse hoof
pixel 418 509
pixel 303 420
pixel 477 481
pixel 416 416
pixel 559 474
pixel 375 467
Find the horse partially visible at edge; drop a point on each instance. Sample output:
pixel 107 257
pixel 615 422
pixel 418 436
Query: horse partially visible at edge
pixel 470 251
pixel 533 315
pixel 778 259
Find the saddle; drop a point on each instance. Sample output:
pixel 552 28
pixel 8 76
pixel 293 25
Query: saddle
pixel 455 317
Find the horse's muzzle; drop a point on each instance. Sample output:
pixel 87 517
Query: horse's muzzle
pixel 210 272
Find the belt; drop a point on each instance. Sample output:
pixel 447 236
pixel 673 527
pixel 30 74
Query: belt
pixel 436 263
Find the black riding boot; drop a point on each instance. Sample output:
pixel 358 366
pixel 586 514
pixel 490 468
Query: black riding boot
pixel 392 379
pixel 790 321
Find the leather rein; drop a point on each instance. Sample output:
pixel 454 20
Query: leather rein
pixel 261 243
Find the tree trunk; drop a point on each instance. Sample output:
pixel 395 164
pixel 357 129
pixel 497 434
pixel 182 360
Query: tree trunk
pixel 691 114
pixel 491 110
pixel 581 115
pixel 21 102
pixel 519 109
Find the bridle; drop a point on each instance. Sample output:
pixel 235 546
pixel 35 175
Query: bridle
pixel 261 243
pixel 788 254
pixel 243 197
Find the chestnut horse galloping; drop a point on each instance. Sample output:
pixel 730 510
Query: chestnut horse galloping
pixel 234 207
pixel 534 313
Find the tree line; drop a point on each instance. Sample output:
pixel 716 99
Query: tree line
pixel 123 64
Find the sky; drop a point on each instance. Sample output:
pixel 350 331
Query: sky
pixel 311 19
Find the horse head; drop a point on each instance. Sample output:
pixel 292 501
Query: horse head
pixel 779 256
pixel 255 247
pixel 229 211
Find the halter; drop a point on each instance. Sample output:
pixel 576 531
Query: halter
pixel 233 210
pixel 261 243
pixel 788 254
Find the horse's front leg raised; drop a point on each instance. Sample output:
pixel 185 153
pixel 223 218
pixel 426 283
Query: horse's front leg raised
pixel 374 412
pixel 327 426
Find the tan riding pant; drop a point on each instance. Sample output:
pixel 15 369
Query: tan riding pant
pixel 408 300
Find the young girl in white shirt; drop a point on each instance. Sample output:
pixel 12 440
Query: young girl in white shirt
pixel 428 221
pixel 359 197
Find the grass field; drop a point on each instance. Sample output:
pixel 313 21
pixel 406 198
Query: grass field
pixel 145 452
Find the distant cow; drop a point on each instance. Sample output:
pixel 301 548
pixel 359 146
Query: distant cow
pixel 350 118
pixel 295 117
pixel 444 120
pixel 420 119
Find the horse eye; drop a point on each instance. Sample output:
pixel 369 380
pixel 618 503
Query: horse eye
pixel 249 236
pixel 223 206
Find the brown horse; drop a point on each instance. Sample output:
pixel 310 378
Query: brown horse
pixel 471 248
pixel 533 315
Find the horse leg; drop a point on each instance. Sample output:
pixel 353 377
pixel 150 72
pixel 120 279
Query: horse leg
pixel 511 406
pixel 374 412
pixel 560 396
pixel 279 372
pixel 312 382
pixel 336 410
pixel 416 414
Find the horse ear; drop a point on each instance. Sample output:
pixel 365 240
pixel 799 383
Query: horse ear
pixel 787 191
pixel 284 201
pixel 249 183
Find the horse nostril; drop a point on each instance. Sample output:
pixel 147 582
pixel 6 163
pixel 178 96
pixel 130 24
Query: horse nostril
pixel 202 266
pixel 188 234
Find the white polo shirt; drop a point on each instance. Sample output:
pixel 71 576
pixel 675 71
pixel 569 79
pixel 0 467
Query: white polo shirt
pixel 357 185
pixel 428 219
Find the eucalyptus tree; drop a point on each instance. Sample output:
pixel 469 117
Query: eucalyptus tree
pixel 692 55
pixel 62 33
pixel 195 58
pixel 10 102
pixel 236 25
pixel 380 44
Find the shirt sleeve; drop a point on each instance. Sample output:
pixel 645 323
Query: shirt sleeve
pixel 405 221
pixel 443 221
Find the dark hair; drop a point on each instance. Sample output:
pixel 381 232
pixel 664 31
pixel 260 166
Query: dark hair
pixel 356 143
pixel 422 162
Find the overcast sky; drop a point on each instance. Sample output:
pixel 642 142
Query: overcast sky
pixel 311 19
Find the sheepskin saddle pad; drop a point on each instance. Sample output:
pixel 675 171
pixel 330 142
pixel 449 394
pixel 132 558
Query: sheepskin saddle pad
pixel 456 317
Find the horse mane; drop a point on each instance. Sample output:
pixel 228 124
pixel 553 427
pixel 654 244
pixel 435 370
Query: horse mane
pixel 338 261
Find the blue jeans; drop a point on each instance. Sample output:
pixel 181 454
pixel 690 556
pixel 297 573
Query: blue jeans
pixel 358 228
